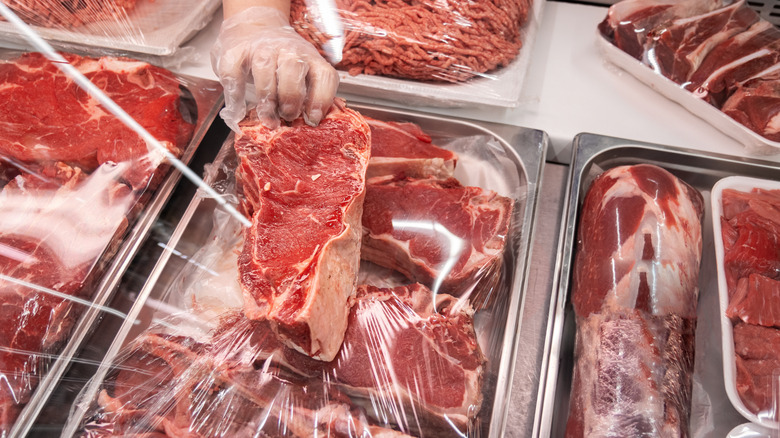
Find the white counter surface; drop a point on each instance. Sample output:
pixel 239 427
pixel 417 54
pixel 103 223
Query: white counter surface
pixel 569 88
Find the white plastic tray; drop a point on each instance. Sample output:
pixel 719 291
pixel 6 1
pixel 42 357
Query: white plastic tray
pixel 671 90
pixel 740 183
pixel 153 27
pixel 500 88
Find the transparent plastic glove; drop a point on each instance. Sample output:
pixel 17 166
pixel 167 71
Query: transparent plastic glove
pixel 262 62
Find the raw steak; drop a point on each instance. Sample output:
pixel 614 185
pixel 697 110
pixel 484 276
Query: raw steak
pixel 55 225
pixel 303 187
pixel 634 292
pixel 756 301
pixel 436 232
pixel 404 149
pixel 174 386
pixel 757 362
pixel 629 22
pixel 429 363
pixel 735 60
pixel 46 117
pixel 678 49
pixel 756 104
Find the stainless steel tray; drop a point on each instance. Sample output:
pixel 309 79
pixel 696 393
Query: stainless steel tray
pixel 591 155
pixel 525 150
pixel 203 98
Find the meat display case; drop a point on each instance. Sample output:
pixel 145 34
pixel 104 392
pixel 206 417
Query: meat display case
pixel 569 89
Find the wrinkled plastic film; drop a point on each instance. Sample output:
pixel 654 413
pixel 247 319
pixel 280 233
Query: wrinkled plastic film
pixel 76 192
pixel 424 46
pixel 411 360
pixel 716 58
pixel 125 26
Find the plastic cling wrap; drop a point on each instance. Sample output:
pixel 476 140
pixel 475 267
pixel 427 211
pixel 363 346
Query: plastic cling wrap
pixel 441 53
pixel 746 226
pixel 719 59
pixel 78 189
pixel 148 27
pixel 412 360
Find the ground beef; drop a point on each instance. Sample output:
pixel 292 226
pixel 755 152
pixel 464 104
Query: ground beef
pixel 427 40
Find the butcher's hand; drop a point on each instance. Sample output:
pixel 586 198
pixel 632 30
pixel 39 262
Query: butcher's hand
pixel 262 63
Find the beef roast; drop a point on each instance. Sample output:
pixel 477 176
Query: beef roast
pixel 436 232
pixel 303 187
pixel 634 293
pixel 402 148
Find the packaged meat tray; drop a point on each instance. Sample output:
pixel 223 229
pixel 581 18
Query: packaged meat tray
pixel 649 206
pixel 425 53
pixel 717 59
pixel 155 28
pixel 745 223
pixel 79 192
pixel 460 387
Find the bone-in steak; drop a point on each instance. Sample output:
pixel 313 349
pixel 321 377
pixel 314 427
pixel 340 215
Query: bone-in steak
pixel 303 188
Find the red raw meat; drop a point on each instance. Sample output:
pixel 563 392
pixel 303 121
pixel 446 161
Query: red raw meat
pixel 429 363
pixel 756 301
pixel 174 386
pixel 756 105
pixel 735 60
pixel 678 49
pixel 436 232
pixel 757 364
pixel 755 247
pixel 404 149
pixel 46 117
pixel 303 187
pixel 634 292
pixel 628 22
pixel 55 225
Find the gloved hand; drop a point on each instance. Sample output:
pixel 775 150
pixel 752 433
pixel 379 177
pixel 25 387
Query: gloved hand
pixel 290 77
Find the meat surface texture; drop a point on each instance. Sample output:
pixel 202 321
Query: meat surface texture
pixel 436 232
pixel 303 187
pixel 70 14
pixel 46 117
pixel 72 180
pixel 721 52
pixel 750 228
pixel 402 148
pixel 634 292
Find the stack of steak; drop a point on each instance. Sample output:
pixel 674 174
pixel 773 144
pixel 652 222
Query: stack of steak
pixel 311 351
pixel 71 178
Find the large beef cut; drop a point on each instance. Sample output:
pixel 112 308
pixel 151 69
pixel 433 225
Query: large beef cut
pixel 402 148
pixel 406 350
pixel 303 187
pixel 436 232
pixel 46 117
pixel 634 292
pixel 756 104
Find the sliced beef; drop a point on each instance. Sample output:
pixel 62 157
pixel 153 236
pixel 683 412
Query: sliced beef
pixel 735 60
pixel 678 49
pixel 436 232
pixel 303 187
pixel 404 149
pixel 756 104
pixel 757 365
pixel 634 293
pixel 46 117
pixel 628 22
pixel 756 301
